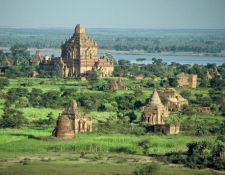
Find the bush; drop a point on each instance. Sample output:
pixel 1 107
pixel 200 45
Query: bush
pixel 12 118
pixel 186 94
pixel 125 102
pixel 144 144
pixel 14 94
pixel 147 169
pixel 48 121
pixel 123 149
pixel 51 99
pixel 22 102
pixel 35 97
pixel 188 110
pixel 101 85
pixel 3 83
pixel 108 107
pixel 173 82
pixel 120 126
pixel 92 77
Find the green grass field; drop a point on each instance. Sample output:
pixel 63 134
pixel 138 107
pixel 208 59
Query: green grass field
pixel 96 164
pixel 18 142
pixel 104 153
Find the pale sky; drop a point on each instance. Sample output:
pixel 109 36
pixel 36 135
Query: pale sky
pixel 160 14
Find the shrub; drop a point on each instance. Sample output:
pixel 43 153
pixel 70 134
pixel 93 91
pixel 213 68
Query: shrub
pixel 173 82
pixel 92 77
pixel 3 83
pixel 186 94
pixel 12 118
pixel 51 99
pixel 147 169
pixel 145 146
pixel 123 149
pixel 22 102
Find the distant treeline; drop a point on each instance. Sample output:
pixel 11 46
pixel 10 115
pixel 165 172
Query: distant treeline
pixel 152 41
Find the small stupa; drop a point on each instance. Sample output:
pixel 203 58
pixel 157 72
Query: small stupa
pixel 72 121
pixel 154 111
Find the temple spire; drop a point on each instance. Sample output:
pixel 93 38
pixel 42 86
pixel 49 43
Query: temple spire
pixel 79 29
pixel 155 98
pixel 73 105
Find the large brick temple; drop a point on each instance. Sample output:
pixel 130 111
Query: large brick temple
pixel 79 55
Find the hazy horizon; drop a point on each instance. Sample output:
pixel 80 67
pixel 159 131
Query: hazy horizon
pixel 113 14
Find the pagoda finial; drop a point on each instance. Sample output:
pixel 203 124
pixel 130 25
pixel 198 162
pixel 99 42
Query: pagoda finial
pixel 79 29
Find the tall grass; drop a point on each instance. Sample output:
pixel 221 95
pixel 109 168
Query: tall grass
pixel 39 113
pixel 34 141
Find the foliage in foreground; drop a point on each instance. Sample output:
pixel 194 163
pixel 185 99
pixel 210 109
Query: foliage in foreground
pixel 147 169
pixel 202 154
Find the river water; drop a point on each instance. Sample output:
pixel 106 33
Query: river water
pixel 148 58
pixel 169 59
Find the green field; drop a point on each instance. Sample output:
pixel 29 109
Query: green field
pixel 101 164
pixel 32 150
pixel 18 142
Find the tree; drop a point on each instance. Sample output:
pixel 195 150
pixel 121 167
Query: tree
pixel 12 118
pixel 138 93
pixel 3 83
pixel 50 119
pixel 174 119
pixel 204 83
pixel 217 83
pixel 20 53
pixel 123 62
pixel 14 94
pixel 132 116
pixel 164 83
pixel 125 102
pixel 217 96
pixel 173 82
pixel 1 55
pixel 186 94
pixel 22 102
pixel 35 97
pixel 92 77
pixel 51 99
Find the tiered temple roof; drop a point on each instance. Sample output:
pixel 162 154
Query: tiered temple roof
pixel 154 111
pixel 79 55
pixel 175 100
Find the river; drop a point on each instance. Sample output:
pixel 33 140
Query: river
pixel 148 58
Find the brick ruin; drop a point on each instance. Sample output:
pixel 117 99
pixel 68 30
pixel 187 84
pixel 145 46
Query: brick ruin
pixel 207 76
pixel 155 113
pixel 175 101
pixel 37 58
pixel 72 121
pixel 116 84
pixel 214 74
pixel 187 80
pixel 33 74
pixel 79 55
